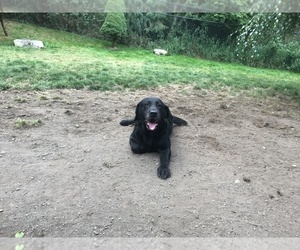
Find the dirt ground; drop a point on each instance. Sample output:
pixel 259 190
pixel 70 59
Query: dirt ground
pixel 235 167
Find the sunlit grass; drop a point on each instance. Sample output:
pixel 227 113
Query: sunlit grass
pixel 73 61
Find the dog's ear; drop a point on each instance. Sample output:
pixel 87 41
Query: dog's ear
pixel 168 112
pixel 138 112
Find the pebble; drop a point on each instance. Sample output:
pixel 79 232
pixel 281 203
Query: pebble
pixel 279 193
pixel 246 179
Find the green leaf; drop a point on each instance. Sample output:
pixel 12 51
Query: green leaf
pixel 19 247
pixel 19 235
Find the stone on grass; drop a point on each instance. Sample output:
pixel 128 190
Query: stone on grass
pixel 160 52
pixel 29 43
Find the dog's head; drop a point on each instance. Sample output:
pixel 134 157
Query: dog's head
pixel 152 112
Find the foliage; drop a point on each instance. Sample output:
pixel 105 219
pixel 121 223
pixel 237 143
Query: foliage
pixel 22 124
pixel 223 25
pixel 198 44
pixel 80 23
pixel 115 6
pixel 275 55
pixel 114 27
pixel 19 234
pixel 263 30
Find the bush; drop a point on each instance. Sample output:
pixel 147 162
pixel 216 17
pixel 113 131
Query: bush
pixel 276 55
pixel 197 45
pixel 80 23
pixel 114 28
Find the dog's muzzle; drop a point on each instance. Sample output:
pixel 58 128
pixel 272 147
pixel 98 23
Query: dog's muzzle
pixel 152 121
pixel 151 125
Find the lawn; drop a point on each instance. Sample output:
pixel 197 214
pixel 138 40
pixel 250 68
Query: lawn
pixel 73 61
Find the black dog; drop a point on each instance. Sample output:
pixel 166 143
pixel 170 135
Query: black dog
pixel 153 124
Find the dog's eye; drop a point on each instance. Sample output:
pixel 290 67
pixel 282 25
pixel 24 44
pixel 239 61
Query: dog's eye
pixel 147 104
pixel 158 105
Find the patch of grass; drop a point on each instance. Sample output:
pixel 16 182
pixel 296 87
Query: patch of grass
pixel 73 61
pixel 20 100
pixel 43 98
pixel 24 124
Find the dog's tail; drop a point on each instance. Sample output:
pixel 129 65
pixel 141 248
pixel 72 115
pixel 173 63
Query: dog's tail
pixel 179 122
pixel 127 122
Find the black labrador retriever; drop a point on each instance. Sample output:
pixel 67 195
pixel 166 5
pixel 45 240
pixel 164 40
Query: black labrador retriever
pixel 153 124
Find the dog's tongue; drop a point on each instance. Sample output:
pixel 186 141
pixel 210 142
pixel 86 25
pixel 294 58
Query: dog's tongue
pixel 151 126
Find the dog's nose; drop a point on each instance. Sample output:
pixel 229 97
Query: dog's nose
pixel 153 113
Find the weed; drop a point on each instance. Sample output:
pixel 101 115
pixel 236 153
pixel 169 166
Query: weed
pixel 43 98
pixel 23 124
pixel 20 100
pixel 57 98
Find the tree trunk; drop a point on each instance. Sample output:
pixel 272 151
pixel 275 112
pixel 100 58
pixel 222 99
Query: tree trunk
pixel 2 24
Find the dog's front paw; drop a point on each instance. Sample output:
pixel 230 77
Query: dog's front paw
pixel 163 173
pixel 125 123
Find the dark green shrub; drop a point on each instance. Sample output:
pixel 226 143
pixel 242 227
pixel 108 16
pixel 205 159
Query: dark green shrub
pixel 114 28
pixel 276 55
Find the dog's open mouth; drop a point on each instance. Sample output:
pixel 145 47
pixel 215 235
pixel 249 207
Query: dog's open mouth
pixel 151 125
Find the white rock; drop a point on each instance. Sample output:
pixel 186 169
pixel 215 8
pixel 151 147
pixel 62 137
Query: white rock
pixel 28 43
pixel 160 52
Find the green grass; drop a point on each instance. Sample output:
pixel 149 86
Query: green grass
pixel 22 123
pixel 73 61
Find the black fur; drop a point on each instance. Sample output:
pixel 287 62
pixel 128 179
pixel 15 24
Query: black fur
pixel 153 124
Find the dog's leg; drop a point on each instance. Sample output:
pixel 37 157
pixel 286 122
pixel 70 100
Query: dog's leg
pixel 127 122
pixel 179 122
pixel 136 147
pixel 163 170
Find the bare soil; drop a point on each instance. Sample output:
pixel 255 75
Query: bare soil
pixel 235 167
